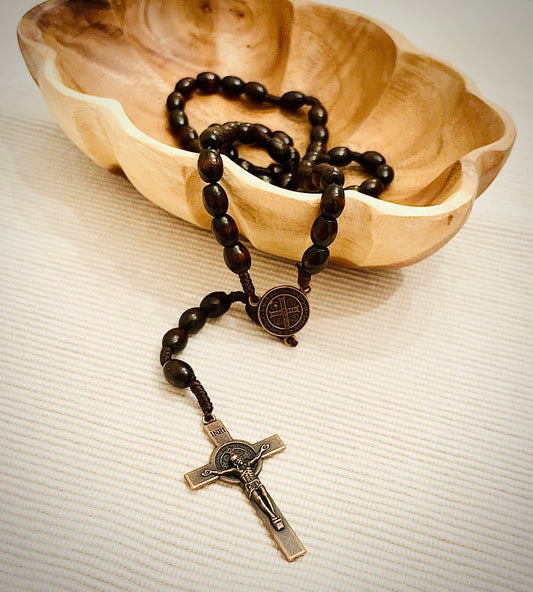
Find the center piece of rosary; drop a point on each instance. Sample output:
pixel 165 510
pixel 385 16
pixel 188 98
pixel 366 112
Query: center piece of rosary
pixel 281 311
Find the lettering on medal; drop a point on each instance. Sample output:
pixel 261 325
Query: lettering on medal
pixel 283 311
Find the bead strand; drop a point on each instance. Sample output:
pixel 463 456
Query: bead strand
pixel 180 373
pixel 288 171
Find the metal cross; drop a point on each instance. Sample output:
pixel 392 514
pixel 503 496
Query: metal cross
pixel 284 311
pixel 237 461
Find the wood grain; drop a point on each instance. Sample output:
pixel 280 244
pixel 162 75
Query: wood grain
pixel 106 67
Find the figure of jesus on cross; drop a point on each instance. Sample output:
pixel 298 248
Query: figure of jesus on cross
pixel 239 462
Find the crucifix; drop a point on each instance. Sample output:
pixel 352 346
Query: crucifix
pixel 239 462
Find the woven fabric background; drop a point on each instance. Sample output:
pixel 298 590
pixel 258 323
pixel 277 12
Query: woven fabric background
pixel 407 408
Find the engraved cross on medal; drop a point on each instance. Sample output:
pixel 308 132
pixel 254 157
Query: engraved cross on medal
pixel 239 462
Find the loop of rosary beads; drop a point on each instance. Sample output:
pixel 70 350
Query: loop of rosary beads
pixel 289 170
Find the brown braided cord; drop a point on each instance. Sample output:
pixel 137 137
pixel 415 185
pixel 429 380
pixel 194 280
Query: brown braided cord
pixel 238 297
pixel 247 285
pixel 304 279
pixel 202 397
pixel 165 355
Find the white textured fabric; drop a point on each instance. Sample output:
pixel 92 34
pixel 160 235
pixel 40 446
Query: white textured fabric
pixel 406 409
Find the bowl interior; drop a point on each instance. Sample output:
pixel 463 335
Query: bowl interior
pixel 412 108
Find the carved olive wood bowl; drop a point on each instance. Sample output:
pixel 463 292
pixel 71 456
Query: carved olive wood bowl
pixel 105 69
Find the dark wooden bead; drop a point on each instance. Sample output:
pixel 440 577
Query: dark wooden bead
pixel 371 159
pixel 231 131
pixel 333 175
pixel 178 373
pixel 177 119
pixel 225 230
pixel 325 174
pixel 279 150
pixel 315 259
pixel 237 258
pixel 186 86
pixel 208 82
pixel 263 134
pixel 286 180
pixel 332 202
pixel 294 158
pixel 384 173
pixel 275 169
pixel 231 152
pixel 373 187
pixel 215 304
pixel 324 231
pixel 245 164
pixel 213 137
pixel 255 92
pixel 175 100
pixel 210 165
pixel 265 177
pixel 192 320
pixel 215 199
pixel 320 133
pixel 187 137
pixel 285 138
pixel 340 156
pixel 247 133
pixel 232 86
pixel 317 115
pixel 292 100
pixel 176 339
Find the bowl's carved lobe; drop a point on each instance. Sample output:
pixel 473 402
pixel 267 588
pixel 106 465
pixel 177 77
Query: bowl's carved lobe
pixel 106 67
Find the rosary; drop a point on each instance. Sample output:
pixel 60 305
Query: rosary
pixel 282 311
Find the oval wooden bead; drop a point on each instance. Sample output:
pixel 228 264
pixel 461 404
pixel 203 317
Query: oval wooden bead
pixel 215 199
pixel 317 115
pixel 333 200
pixel 178 373
pixel 340 156
pixel 385 174
pixel 225 230
pixel 292 100
pixel 231 152
pixel 232 86
pixel 177 119
pixel 324 231
pixel 210 165
pixel 245 164
pixel 285 138
pixel 319 133
pixel 213 137
pixel 237 258
pixel 216 304
pixel 186 86
pixel 188 138
pixel 315 259
pixel 371 159
pixel 208 82
pixel 192 320
pixel 279 150
pixel 175 100
pixel 373 187
pixel 255 91
pixel 176 339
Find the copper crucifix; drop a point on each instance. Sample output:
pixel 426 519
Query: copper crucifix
pixel 237 461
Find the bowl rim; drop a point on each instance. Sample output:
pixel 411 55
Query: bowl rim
pixel 467 187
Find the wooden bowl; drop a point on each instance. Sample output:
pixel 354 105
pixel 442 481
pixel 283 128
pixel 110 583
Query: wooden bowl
pixel 105 68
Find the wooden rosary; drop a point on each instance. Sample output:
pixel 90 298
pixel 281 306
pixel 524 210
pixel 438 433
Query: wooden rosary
pixel 281 311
